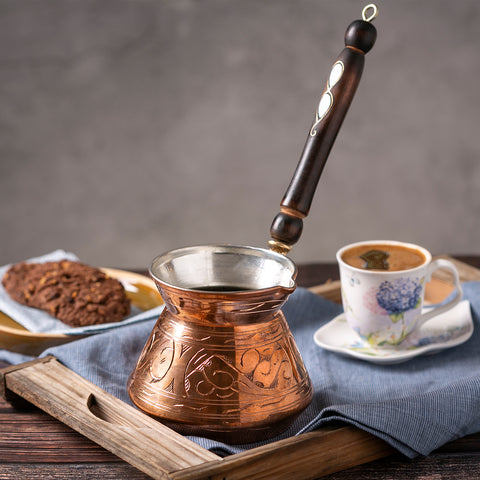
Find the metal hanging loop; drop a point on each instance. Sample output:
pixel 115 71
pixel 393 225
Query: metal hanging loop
pixel 373 14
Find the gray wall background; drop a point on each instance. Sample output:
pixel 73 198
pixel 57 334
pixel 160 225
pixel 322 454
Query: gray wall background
pixel 131 127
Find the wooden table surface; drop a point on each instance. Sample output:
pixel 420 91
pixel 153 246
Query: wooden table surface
pixel 34 445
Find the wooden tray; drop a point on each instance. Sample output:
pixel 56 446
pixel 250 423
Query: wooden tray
pixel 163 454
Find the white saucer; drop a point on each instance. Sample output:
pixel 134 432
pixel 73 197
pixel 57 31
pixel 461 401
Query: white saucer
pixel 443 331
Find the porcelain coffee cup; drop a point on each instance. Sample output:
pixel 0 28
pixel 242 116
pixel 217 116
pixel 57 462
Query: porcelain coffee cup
pixel 385 306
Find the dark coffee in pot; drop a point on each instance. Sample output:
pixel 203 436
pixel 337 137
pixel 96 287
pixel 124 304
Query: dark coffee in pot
pixel 221 288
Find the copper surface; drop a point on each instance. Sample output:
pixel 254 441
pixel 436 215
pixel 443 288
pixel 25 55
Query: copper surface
pixel 222 365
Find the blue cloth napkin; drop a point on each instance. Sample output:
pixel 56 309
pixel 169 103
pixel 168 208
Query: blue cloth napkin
pixel 39 321
pixel 416 406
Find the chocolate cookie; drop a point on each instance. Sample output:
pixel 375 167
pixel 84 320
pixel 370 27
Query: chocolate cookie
pixel 75 293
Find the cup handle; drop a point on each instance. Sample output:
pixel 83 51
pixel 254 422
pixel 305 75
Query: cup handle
pixel 435 265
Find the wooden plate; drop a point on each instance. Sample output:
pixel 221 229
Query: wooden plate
pixel 16 338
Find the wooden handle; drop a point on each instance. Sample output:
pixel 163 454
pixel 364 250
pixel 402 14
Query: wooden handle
pixel 338 93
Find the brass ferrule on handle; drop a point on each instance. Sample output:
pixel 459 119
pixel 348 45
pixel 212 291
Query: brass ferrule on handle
pixel 337 96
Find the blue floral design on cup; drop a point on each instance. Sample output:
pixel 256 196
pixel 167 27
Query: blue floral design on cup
pixel 399 296
pixel 385 307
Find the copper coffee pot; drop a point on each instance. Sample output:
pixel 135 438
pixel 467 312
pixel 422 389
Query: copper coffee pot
pixel 221 361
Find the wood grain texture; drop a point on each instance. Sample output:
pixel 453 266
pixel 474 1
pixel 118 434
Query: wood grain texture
pixel 162 453
pixel 307 456
pixel 83 471
pixel 51 439
pixel 338 93
pixel 34 445
pixel 121 429
pixel 433 467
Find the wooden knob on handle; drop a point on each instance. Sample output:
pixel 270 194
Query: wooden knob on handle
pixel 341 85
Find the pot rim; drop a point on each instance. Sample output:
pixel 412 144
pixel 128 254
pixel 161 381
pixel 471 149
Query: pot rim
pixel 170 255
